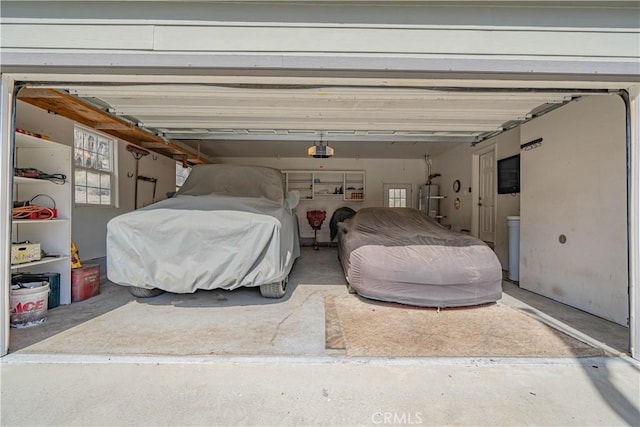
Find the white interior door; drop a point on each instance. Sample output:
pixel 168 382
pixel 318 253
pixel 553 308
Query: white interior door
pixel 486 197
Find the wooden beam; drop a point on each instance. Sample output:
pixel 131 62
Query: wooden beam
pixel 76 109
pixel 110 126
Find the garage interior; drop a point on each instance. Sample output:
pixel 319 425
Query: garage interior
pixel 571 299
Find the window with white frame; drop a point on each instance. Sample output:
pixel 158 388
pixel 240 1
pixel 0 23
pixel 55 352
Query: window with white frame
pixel 397 198
pixel 181 174
pixel 397 195
pixel 94 166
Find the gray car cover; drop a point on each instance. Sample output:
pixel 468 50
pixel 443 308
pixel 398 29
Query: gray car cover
pixel 228 226
pixel 402 255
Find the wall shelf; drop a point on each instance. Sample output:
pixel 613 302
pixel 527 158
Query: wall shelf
pixel 54 235
pixel 312 184
pixel 40 221
pixel 24 180
pixel 430 197
pixel 45 260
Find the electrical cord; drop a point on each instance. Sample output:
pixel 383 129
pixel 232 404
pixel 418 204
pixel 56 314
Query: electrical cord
pixel 44 195
pixel 25 212
pixel 41 212
pixel 56 178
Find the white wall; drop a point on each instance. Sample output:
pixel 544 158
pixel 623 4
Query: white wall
pixel 89 227
pixel 456 164
pixel 506 204
pixel 377 172
pixel 575 184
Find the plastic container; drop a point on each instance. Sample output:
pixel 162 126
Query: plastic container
pixel 513 225
pixel 52 278
pixel 25 252
pixel 85 282
pixel 29 306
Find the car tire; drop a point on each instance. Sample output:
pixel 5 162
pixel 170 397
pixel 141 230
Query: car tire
pixel 144 292
pixel 274 290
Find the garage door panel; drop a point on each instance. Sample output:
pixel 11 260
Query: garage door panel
pixel 408 41
pixel 36 36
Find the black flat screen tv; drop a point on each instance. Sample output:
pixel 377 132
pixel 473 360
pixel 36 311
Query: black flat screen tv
pixel 509 175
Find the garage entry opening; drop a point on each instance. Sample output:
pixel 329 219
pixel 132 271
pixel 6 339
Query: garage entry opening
pixel 389 134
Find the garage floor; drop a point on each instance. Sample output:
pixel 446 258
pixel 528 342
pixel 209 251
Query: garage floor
pixel 113 360
pixel 242 323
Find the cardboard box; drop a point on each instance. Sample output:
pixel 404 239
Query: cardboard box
pixel 85 282
pixel 25 252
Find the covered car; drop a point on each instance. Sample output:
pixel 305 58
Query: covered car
pixel 228 226
pixel 403 255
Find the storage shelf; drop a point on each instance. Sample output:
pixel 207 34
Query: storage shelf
pixel 328 180
pixel 431 199
pixel 53 234
pixel 25 180
pixel 24 140
pixel 45 260
pixel 38 221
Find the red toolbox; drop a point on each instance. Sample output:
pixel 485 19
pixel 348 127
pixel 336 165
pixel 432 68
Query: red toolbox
pixel 85 282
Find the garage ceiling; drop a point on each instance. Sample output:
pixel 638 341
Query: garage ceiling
pixel 277 120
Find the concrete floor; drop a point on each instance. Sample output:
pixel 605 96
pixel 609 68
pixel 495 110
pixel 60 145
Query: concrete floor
pixel 286 377
pixel 239 322
pixel 309 391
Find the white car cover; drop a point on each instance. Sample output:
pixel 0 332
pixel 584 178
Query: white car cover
pixel 228 226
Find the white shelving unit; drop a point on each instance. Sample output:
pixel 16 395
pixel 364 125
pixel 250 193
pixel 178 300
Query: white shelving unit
pixel 431 201
pixel 342 185
pixel 54 235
